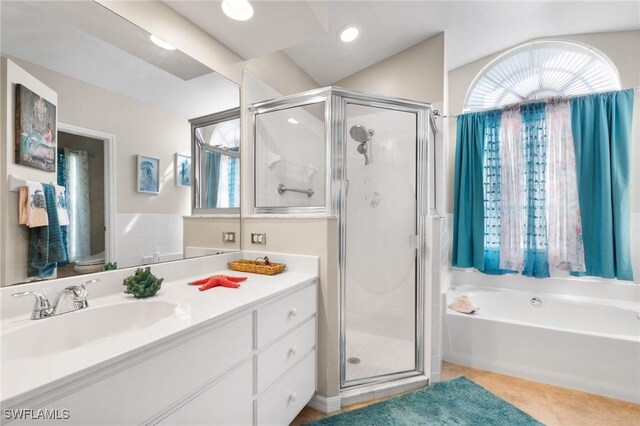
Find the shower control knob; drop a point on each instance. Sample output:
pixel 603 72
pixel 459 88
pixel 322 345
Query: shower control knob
pixel 293 350
pixel 293 396
pixel 293 312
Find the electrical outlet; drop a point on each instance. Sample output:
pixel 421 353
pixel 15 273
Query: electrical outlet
pixel 258 238
pixel 229 237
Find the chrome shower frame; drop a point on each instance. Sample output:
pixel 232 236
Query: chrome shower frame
pixel 335 101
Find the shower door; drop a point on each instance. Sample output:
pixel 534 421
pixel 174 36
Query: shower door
pixel 380 306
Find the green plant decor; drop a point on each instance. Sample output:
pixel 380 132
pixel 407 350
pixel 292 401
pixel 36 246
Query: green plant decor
pixel 143 283
pixel 111 266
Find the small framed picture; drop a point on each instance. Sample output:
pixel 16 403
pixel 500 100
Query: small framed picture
pixel 148 174
pixel 183 170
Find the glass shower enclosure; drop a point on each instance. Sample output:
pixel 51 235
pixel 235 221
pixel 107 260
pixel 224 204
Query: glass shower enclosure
pixel 363 158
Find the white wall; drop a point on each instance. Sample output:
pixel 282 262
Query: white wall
pixel 416 73
pixel 139 236
pixel 206 231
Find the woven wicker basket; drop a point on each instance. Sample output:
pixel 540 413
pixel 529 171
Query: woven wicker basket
pixel 258 266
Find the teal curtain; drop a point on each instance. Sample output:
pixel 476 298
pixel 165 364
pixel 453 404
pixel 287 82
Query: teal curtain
pixel 63 181
pixel 234 177
pixel 491 191
pixel 212 177
pixel 477 137
pixel 534 140
pixel 601 126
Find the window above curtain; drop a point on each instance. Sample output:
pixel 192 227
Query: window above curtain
pixel 540 70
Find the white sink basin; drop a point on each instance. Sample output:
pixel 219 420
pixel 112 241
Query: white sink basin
pixel 59 333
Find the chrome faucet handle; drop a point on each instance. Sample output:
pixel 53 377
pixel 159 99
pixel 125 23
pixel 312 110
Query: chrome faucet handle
pixel 84 284
pixel 80 293
pixel 41 307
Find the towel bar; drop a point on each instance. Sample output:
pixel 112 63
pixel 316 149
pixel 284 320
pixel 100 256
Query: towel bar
pixel 15 183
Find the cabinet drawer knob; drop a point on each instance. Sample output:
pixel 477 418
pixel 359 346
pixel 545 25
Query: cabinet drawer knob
pixel 293 396
pixel 293 350
pixel 293 312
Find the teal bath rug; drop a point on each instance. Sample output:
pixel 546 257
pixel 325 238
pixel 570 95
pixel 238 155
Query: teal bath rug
pixel 454 402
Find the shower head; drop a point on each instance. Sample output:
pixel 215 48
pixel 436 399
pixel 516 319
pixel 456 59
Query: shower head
pixel 360 133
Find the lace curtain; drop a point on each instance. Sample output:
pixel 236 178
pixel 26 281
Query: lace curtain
pixel 564 225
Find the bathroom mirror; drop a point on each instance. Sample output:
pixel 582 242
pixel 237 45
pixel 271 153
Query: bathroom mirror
pixel 216 163
pixel 104 112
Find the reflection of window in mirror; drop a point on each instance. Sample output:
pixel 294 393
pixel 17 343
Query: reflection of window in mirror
pixel 216 166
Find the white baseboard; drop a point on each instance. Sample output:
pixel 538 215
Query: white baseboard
pixel 325 404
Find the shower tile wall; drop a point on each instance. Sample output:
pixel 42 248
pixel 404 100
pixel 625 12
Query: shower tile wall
pixel 292 154
pixel 139 235
pixel 391 314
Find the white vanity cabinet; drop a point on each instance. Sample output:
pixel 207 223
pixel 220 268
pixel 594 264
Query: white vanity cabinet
pixel 285 358
pixel 282 366
pixel 255 366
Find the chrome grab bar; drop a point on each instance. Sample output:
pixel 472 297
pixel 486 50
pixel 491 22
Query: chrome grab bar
pixel 282 189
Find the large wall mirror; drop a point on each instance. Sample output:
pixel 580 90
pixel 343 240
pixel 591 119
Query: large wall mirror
pixel 103 112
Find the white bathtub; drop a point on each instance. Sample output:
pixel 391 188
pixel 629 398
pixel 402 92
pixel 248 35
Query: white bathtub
pixel 582 343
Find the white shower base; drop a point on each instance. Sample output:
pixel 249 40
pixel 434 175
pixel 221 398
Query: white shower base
pixel 378 355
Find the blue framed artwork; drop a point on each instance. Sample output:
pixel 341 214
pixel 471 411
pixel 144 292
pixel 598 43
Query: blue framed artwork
pixel 148 175
pixel 183 170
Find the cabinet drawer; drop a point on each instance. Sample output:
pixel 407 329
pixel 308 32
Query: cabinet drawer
pixel 282 403
pixel 276 318
pixel 226 402
pixel 278 358
pixel 142 391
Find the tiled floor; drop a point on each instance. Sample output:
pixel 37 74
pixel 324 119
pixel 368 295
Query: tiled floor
pixel 550 405
pixel 378 355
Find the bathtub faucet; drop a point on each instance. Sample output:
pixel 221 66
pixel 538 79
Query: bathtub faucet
pixel 43 309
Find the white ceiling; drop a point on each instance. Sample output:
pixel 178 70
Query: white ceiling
pixel 307 30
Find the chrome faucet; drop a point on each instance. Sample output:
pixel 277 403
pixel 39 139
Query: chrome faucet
pixel 43 309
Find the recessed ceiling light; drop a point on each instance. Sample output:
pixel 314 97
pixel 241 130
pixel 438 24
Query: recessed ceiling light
pixel 293 121
pixel 240 10
pixel 161 43
pixel 349 33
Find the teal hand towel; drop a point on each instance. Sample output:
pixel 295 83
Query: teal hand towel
pixel 46 246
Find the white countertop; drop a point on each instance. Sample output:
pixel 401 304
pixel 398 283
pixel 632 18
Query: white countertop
pixel 25 378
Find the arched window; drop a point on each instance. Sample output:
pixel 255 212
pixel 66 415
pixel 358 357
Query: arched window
pixel 539 70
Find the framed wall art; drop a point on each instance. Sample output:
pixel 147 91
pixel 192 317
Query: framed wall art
pixel 35 141
pixel 183 170
pixel 148 174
